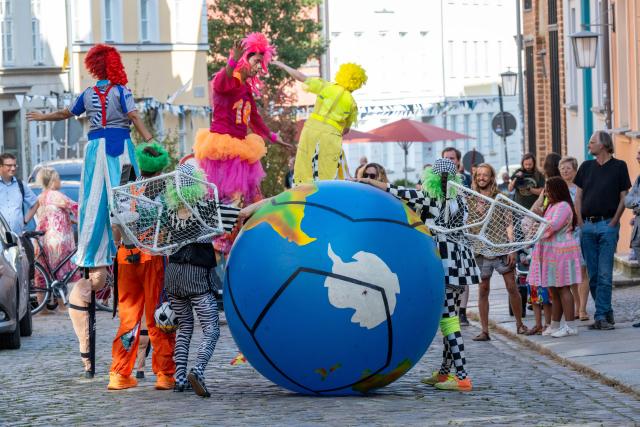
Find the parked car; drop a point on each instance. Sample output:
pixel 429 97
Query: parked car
pixel 71 189
pixel 69 170
pixel 15 312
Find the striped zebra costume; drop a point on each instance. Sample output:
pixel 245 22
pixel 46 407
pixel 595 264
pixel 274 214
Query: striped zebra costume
pixel 190 288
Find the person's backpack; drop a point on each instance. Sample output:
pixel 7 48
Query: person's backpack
pixel 21 187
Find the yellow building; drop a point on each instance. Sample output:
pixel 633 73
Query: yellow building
pixel 625 76
pixel 164 49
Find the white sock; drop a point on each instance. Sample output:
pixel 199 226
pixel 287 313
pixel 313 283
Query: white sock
pixel 555 325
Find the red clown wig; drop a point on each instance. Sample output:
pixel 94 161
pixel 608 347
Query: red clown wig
pixel 104 63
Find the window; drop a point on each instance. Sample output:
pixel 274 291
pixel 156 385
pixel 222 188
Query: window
pixel 599 64
pixel 36 37
pixel 571 63
pixel 6 27
pixel 467 63
pixel 144 20
pixel 476 59
pixel 622 40
pixel 108 20
pixel 112 21
pixel 81 10
pixel 182 30
pixel 486 59
pixel 148 21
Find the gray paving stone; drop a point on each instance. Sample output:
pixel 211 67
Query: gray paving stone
pixel 42 384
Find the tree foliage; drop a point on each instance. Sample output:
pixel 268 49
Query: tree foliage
pixel 297 39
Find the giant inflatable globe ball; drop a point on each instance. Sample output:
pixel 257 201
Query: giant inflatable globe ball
pixel 334 288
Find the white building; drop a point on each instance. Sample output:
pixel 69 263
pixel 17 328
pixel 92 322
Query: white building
pixel 31 75
pixel 427 60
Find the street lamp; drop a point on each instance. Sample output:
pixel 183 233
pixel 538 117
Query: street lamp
pixel 509 83
pixel 507 88
pixel 585 48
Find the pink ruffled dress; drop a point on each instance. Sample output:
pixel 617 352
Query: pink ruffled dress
pixel 555 260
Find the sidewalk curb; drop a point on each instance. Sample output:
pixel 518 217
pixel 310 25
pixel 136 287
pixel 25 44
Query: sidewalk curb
pixel 578 367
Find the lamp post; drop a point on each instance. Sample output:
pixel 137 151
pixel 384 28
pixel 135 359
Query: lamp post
pixel 506 88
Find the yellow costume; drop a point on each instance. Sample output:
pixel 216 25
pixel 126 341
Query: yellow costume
pixel 320 155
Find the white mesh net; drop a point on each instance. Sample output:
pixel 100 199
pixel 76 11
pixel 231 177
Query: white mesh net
pixel 164 213
pixel 491 227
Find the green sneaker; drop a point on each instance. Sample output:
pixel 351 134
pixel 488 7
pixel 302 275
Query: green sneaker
pixel 436 377
pixel 453 383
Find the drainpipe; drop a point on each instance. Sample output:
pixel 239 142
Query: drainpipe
pixel 606 64
pixel 587 83
pixel 520 76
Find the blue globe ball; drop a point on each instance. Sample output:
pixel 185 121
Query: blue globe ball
pixel 334 288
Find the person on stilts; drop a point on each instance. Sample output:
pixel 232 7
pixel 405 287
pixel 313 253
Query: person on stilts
pixel 109 159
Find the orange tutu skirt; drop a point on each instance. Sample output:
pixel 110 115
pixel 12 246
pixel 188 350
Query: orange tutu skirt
pixel 218 146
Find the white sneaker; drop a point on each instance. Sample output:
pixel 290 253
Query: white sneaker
pixel 550 331
pixel 564 331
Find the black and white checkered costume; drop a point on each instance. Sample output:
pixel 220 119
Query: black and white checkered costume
pixel 460 268
pixel 459 264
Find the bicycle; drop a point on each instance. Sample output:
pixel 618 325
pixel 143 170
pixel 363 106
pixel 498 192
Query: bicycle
pixel 56 289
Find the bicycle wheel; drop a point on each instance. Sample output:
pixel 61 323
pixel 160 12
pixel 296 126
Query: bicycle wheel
pixel 104 296
pixel 39 296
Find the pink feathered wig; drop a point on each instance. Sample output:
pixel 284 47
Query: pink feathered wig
pixel 104 63
pixel 256 43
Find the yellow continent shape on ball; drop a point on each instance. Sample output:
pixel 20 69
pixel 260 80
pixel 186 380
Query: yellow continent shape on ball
pixel 285 213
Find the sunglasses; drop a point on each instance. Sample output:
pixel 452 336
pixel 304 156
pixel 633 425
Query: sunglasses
pixel 369 175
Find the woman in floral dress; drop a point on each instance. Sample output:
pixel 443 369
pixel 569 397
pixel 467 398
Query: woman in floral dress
pixel 54 216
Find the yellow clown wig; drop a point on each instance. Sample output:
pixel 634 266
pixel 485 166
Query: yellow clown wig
pixel 351 76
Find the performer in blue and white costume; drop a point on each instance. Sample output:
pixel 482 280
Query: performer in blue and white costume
pixel 109 159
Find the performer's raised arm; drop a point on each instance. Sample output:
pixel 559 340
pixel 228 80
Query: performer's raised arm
pixel 301 77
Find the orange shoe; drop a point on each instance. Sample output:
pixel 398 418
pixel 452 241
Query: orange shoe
pixel 120 382
pixel 455 384
pixel 164 382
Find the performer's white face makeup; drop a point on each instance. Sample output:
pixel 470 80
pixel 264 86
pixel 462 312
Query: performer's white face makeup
pixel 255 65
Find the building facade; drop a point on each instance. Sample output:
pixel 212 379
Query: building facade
pixel 164 46
pixel 439 62
pixel 625 74
pixel 584 94
pixel 44 42
pixel 545 99
pixel 31 75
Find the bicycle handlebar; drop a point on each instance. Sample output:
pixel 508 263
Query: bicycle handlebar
pixel 33 234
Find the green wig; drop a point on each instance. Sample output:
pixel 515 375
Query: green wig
pixel 190 189
pixel 432 184
pixel 148 161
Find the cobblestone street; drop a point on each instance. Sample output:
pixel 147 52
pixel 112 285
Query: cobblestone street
pixel 42 384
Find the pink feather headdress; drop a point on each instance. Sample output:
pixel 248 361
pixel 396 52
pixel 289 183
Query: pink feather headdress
pixel 256 43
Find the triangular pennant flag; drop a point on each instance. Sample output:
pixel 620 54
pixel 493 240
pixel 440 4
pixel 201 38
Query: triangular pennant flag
pixel 20 100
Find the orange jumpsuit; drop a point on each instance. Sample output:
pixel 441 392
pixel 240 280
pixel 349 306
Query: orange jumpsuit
pixel 139 288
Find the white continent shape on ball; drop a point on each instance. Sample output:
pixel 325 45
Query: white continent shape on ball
pixel 368 303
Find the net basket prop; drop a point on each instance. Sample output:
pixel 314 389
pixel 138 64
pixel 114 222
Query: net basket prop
pixel 491 227
pixel 164 213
